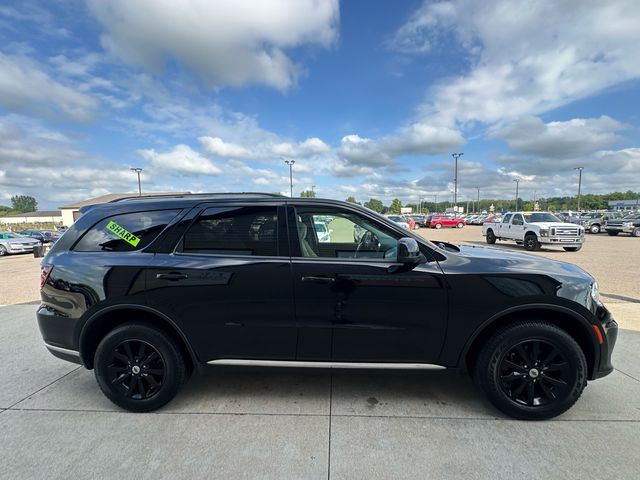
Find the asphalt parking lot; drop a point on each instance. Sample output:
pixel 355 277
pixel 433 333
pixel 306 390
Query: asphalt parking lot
pixel 55 423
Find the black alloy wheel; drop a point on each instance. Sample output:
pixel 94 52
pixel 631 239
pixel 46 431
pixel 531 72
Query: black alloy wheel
pixel 531 242
pixel 531 370
pixel 139 367
pixel 533 373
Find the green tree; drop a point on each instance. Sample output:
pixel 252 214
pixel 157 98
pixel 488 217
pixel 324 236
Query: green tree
pixel 375 205
pixel 24 203
pixel 352 199
pixel 308 194
pixel 395 206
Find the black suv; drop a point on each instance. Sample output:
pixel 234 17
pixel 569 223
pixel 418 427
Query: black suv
pixel 147 290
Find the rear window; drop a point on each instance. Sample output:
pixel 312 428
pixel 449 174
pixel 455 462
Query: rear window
pixel 125 233
pixel 234 231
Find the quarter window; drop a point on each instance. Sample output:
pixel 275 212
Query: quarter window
pixel 125 233
pixel 234 231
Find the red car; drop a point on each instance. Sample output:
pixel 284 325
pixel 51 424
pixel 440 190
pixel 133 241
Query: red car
pixel 439 221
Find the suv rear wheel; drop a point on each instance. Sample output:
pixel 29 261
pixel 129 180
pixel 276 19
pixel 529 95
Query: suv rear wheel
pixel 531 370
pixel 139 367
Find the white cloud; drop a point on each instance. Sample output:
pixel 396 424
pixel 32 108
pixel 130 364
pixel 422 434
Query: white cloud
pixel 26 87
pixel 181 158
pixel 569 139
pixel 219 147
pixel 225 41
pixel 526 57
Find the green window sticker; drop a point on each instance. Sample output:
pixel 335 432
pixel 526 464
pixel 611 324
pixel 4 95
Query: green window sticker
pixel 121 232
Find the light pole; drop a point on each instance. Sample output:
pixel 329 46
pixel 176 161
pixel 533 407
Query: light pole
pixel 517 180
pixel 579 184
pixel 456 156
pixel 138 170
pixel 290 163
pixel 478 188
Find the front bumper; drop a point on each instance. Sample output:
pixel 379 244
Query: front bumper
pixel 619 228
pixel 610 335
pixel 562 241
pixel 20 248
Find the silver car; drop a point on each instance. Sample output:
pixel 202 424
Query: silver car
pixel 14 243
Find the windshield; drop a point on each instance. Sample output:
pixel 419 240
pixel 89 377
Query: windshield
pixel 541 217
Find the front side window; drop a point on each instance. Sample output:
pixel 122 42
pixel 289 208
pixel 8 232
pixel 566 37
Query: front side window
pixel 234 231
pixel 328 233
pixel 126 232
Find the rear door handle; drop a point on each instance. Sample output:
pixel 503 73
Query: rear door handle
pixel 173 276
pixel 321 280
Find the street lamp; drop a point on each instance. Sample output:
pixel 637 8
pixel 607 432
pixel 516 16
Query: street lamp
pixel 517 180
pixel 138 170
pixel 478 199
pixel 579 184
pixel 456 156
pixel 290 163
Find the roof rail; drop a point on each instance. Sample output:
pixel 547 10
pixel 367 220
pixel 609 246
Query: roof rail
pixel 197 195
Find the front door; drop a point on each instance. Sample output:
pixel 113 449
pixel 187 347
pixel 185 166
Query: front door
pixel 349 307
pixel 228 284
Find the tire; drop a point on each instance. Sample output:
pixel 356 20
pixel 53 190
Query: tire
pixel 491 237
pixel 460 225
pixel 438 226
pixel 531 242
pixel 612 233
pixel 3 251
pixel 636 232
pixel 140 390
pixel 595 228
pixel 572 249
pixel 558 375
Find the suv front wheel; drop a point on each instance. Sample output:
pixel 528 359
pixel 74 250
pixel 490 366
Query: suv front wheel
pixel 532 370
pixel 139 367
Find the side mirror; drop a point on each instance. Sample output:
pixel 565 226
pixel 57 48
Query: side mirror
pixel 409 256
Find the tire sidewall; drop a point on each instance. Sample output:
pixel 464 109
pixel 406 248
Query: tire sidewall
pixel 438 226
pixel 3 251
pixel 489 364
pixel 175 369
pixel 491 237
pixel 531 242
pixel 636 232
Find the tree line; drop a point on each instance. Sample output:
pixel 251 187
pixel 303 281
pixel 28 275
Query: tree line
pixel 19 204
pixel 588 201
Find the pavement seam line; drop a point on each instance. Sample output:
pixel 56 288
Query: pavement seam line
pixel 396 417
pixel 330 408
pixel 46 386
pixel 625 373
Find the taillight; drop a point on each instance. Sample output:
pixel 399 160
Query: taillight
pixel 45 270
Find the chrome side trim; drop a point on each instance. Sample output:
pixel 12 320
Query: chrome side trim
pixel 66 351
pixel 304 364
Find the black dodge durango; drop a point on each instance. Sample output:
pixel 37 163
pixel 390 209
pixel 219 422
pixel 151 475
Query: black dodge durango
pixel 147 290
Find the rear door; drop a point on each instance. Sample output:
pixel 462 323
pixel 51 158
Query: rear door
pixel 228 283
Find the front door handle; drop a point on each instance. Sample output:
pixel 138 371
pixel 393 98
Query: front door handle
pixel 321 280
pixel 173 276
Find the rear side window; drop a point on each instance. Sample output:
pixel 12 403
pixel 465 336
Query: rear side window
pixel 234 231
pixel 125 233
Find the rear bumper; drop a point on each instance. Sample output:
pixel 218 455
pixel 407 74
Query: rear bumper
pixel 59 333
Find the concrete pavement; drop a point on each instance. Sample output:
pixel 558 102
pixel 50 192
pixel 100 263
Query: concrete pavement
pixel 55 423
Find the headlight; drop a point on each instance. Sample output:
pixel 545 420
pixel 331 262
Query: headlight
pixel 595 293
pixel 544 232
pixel 581 232
pixel 627 224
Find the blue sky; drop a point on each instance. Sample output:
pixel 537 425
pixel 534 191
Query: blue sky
pixel 369 97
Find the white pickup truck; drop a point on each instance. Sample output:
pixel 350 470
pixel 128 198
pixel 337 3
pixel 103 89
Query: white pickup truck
pixel 534 229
